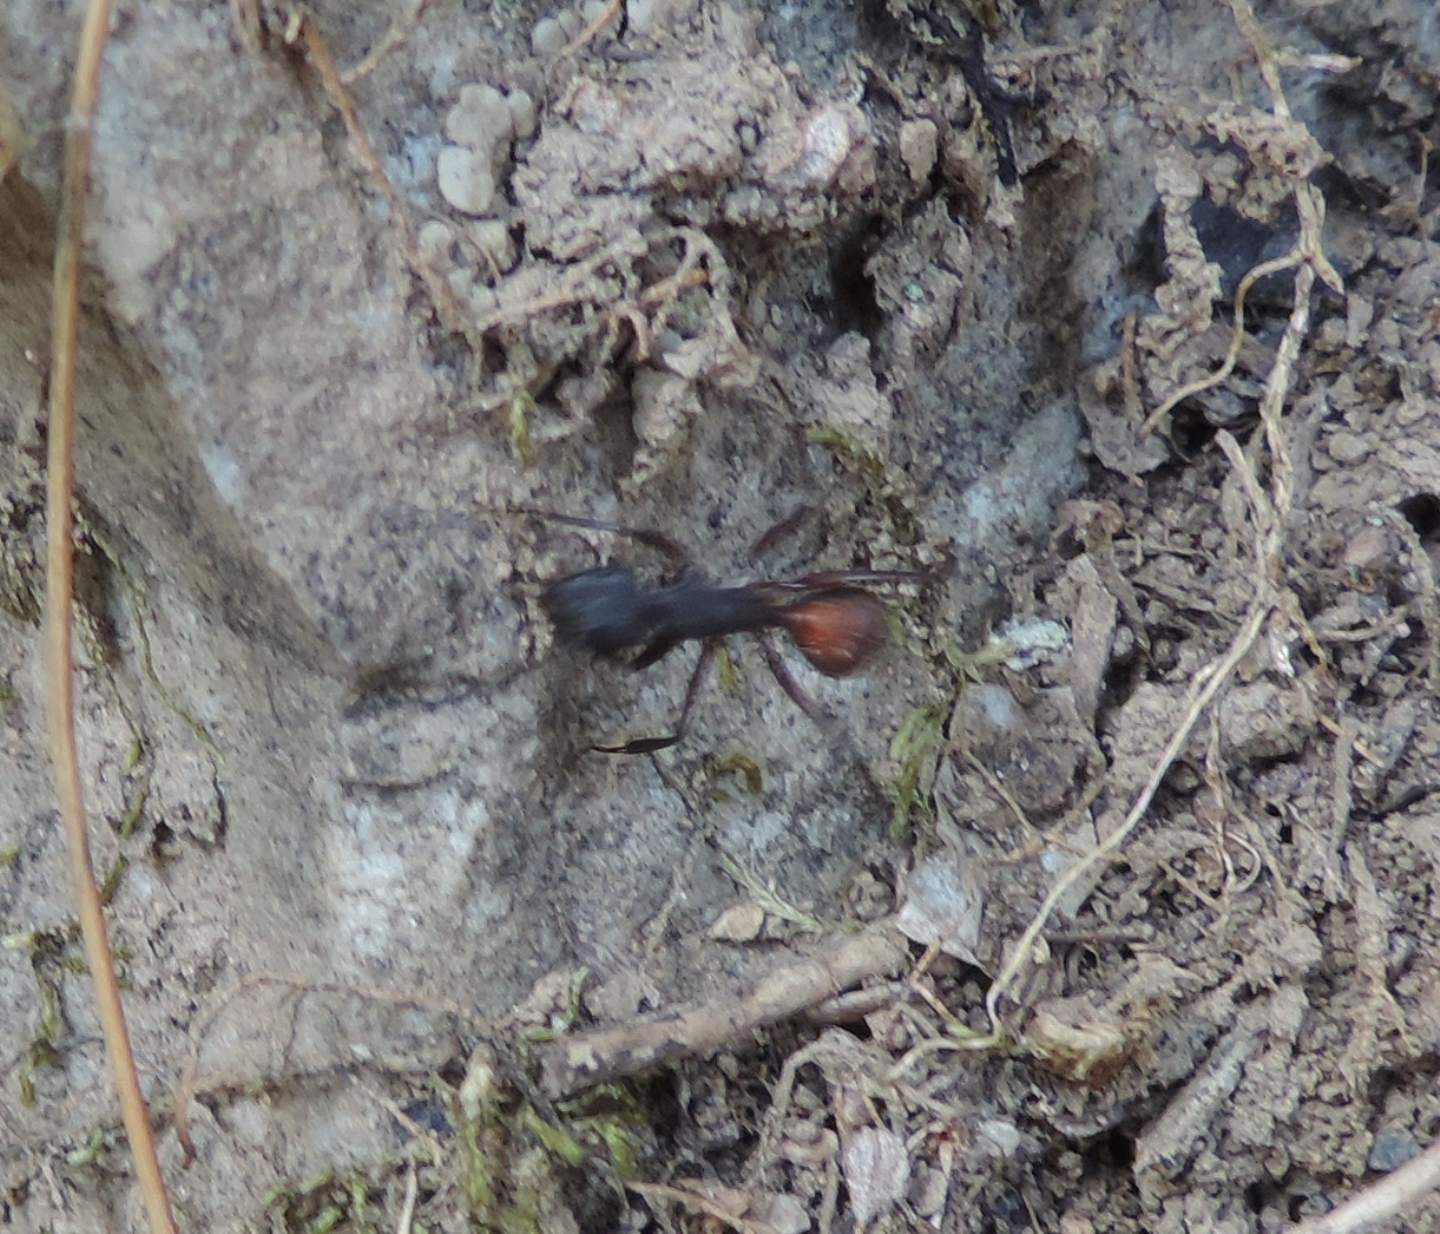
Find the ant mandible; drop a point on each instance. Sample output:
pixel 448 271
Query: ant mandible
pixel 836 624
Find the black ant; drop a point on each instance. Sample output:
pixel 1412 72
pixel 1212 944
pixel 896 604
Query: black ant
pixel 836 624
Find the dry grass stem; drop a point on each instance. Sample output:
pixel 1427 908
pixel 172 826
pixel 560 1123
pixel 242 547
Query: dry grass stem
pixel 400 29
pixel 407 1206
pixel 1392 1195
pixel 608 14
pixel 59 615
pixel 696 1203
pixel 448 308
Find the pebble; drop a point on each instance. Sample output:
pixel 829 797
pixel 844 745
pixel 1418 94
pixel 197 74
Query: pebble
pixel 1346 447
pixel 827 144
pixel 522 114
pixel 481 119
pixel 548 38
pixel 919 147
pixel 649 18
pixel 433 242
pixel 492 238
pixel 1391 1150
pixel 465 179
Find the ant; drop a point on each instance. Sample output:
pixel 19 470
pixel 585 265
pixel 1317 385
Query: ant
pixel 836 624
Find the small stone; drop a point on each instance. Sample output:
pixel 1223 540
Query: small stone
pixel 640 16
pixel 1391 1150
pixel 877 1172
pixel 522 114
pixel 461 282
pixel 1347 447
pixel 836 150
pixel 782 1213
pixel 827 145
pixel 1367 548
pixel 482 301
pixel 647 18
pixel 548 38
pixel 480 120
pixel 433 242
pixel 740 923
pixel 1003 1135
pixel 919 147
pixel 492 238
pixel 465 179
pixel 928 1189
pixel 943 907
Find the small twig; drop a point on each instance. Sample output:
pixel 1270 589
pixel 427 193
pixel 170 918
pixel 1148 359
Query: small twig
pixel 609 1054
pixel 1209 681
pixel 59 617
pixel 1361 748
pixel 1237 340
pixel 447 307
pixel 308 32
pixel 427 1139
pixel 609 13
pixel 857 1004
pixel 400 29
pixel 1380 1201
pixel 696 1202
pixel 407 1206
pixel 1342 797
pixel 1308 253
pixel 992 782
pixel 1363 634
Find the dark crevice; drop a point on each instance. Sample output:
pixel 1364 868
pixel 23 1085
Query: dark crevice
pixel 1422 512
pixel 854 305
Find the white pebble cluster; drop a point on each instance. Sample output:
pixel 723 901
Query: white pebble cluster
pixel 643 19
pixel 482 125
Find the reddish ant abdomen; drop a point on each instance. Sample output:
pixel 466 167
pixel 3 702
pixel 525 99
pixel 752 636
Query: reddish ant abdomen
pixel 838 631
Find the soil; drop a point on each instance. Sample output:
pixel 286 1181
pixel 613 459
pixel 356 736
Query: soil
pixel 1125 851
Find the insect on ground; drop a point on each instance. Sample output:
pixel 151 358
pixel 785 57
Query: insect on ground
pixel 831 617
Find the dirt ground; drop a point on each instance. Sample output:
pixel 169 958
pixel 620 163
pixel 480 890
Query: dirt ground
pixel 1105 901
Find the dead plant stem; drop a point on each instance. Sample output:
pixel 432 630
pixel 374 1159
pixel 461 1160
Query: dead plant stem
pixel 1214 678
pixel 59 582
pixel 1392 1195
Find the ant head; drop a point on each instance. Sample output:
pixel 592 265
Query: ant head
pixel 838 631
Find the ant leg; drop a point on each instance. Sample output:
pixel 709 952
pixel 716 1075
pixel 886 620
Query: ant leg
pixel 657 650
pixel 653 539
pixel 821 718
pixel 776 590
pixel 846 578
pixel 785 527
pixel 648 745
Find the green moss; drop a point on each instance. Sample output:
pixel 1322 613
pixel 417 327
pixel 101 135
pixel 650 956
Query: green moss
pixel 914 748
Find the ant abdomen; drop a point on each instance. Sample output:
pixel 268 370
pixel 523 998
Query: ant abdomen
pixel 838 631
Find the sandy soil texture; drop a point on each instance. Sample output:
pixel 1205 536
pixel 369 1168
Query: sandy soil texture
pixel 1103 901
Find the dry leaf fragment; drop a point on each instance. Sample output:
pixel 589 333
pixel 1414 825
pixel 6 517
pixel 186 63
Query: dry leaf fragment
pixel 877 1172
